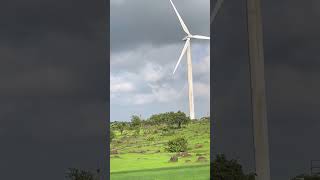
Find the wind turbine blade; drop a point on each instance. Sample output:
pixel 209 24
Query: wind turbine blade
pixel 184 27
pixel 216 10
pixel 200 37
pixel 182 53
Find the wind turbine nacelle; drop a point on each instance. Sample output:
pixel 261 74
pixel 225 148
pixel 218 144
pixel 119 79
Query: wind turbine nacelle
pixel 185 38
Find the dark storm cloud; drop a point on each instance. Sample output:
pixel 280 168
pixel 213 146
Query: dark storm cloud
pixel 30 20
pixel 52 67
pixel 53 87
pixel 292 58
pixel 291 38
pixel 138 22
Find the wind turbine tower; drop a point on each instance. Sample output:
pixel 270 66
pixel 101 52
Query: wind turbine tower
pixel 187 48
pixel 258 94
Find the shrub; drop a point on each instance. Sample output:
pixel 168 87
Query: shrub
pixel 164 129
pixel 150 138
pixel 224 169
pixel 112 135
pixel 136 131
pixel 76 174
pixel 177 145
pixel 168 133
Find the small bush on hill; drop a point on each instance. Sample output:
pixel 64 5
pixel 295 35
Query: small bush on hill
pixel 177 145
pixel 150 138
pixel 137 131
pixel 112 135
pixel 76 174
pixel 168 133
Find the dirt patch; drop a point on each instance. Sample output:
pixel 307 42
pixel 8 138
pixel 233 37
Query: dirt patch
pixel 198 146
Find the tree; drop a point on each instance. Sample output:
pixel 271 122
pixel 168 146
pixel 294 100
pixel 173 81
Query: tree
pixel 170 119
pixel 157 119
pixel 120 126
pixel 76 174
pixel 135 121
pixel 223 169
pixel 178 118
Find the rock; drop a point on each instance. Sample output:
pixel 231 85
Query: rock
pixel 184 154
pixel 114 151
pixel 202 159
pixel 157 151
pixel 174 159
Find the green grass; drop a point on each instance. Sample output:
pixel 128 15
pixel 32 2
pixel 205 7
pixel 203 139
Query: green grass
pixel 141 158
pixel 178 173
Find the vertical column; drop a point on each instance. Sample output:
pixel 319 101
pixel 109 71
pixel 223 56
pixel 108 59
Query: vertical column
pixel 258 96
pixel 190 83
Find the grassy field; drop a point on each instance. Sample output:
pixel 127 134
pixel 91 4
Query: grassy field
pixel 176 173
pixel 143 156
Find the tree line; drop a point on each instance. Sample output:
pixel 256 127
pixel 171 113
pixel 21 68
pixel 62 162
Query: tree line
pixel 170 119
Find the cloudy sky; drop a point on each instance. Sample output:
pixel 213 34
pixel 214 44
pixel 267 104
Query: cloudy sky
pixel 53 101
pixel 146 41
pixel 54 74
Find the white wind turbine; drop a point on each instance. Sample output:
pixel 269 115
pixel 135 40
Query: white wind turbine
pixel 187 48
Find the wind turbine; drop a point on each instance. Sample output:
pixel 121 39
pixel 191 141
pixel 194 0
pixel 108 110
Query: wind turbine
pixel 187 48
pixel 258 95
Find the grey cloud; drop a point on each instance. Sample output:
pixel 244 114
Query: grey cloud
pixel 154 22
pixel 53 87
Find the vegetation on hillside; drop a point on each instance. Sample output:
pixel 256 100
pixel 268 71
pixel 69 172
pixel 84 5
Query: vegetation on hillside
pixel 77 174
pixel 166 140
pixel 223 169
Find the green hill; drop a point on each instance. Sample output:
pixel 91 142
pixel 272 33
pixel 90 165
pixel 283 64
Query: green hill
pixel 140 153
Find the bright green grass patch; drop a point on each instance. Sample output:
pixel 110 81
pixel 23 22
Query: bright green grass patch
pixel 180 173
pixel 129 162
